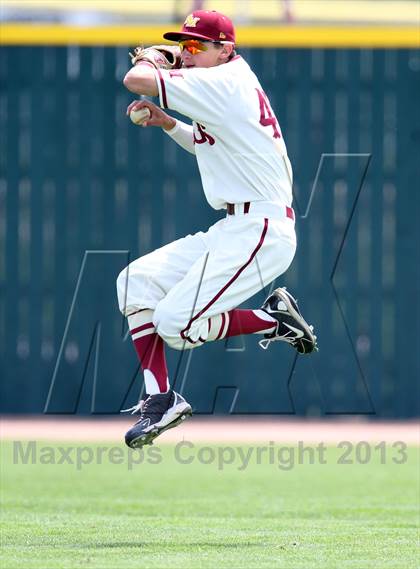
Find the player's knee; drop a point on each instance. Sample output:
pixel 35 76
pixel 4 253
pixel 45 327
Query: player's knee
pixel 137 289
pixel 132 287
pixel 122 289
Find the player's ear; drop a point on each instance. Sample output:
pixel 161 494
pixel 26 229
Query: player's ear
pixel 226 51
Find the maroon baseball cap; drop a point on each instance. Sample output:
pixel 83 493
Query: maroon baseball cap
pixel 205 25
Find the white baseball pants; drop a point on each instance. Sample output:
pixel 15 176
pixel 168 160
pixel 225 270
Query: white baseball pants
pixel 192 282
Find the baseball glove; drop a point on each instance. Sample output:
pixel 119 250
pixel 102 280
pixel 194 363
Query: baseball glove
pixel 160 56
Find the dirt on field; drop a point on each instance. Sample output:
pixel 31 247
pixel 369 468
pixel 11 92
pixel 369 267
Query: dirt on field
pixel 214 430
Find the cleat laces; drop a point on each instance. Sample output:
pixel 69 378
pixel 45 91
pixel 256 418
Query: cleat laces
pixel 139 407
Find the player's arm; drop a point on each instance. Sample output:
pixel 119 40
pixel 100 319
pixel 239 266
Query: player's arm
pixel 179 131
pixel 183 135
pixel 201 94
pixel 140 79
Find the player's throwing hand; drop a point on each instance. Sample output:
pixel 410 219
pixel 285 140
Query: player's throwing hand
pixel 157 116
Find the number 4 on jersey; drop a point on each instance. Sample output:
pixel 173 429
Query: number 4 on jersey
pixel 267 117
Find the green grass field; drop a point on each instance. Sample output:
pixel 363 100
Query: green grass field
pixel 173 515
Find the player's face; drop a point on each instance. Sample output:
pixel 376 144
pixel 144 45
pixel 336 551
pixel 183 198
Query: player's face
pixel 197 53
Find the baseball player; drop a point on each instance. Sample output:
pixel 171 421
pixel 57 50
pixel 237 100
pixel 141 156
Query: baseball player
pixel 186 293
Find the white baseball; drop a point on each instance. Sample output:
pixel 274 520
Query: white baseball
pixel 140 116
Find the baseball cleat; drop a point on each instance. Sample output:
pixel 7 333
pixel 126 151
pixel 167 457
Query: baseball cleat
pixel 159 413
pixel 292 327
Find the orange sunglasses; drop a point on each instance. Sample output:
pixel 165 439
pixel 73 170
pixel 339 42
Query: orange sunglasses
pixel 193 46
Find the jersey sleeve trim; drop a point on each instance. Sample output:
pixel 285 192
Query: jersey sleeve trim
pixel 162 89
pixel 174 129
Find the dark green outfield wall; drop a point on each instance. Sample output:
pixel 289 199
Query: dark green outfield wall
pixel 77 176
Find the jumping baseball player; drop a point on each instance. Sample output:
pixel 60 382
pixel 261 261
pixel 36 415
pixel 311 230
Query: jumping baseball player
pixel 186 293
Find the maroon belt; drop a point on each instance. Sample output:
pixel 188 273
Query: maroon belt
pixel 230 207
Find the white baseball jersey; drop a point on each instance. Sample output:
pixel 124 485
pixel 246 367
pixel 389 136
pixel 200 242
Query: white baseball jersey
pixel 191 284
pixel 239 146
